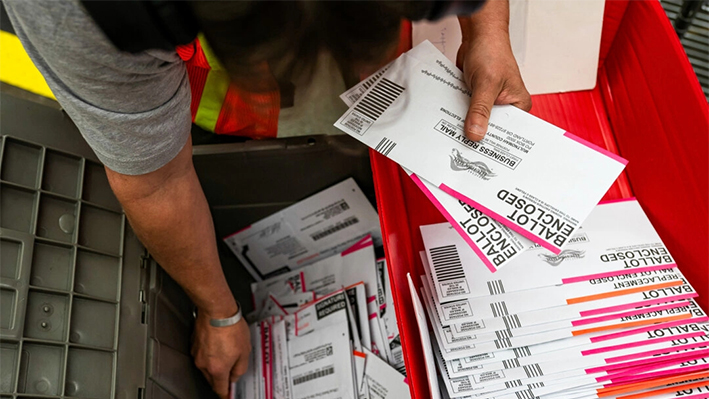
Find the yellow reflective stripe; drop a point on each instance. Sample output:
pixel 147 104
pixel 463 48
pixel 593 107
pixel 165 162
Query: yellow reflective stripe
pixel 209 54
pixel 17 69
pixel 213 94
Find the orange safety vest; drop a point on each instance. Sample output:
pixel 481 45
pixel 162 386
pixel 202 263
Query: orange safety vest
pixel 223 108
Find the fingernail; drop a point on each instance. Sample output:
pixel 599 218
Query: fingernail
pixel 477 132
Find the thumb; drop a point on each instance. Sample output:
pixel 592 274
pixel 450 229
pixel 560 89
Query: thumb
pixel 481 102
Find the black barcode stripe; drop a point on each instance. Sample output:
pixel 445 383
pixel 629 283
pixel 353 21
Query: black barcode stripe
pixel 503 343
pixel 536 385
pixel 334 229
pixel 499 309
pixel 512 384
pixel 512 322
pixel 503 334
pixel 374 106
pixel 385 146
pixel 367 112
pixel 446 263
pixel 383 98
pixel 495 287
pixel 527 394
pixel 511 363
pixel 388 83
pixel 532 370
pixel 379 98
pixel 522 352
pixel 314 375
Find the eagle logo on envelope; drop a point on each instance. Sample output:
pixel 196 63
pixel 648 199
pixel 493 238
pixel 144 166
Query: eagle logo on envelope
pixel 477 168
pixel 555 260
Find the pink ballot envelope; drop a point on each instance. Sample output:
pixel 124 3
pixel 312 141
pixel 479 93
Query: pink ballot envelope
pixel 616 240
pixel 537 179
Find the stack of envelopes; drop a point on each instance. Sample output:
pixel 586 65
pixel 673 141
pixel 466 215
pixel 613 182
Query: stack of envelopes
pixel 323 323
pixel 532 289
pixel 610 316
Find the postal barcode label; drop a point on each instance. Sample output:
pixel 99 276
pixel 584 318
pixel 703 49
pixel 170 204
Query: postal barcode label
pixel 448 271
pixel 499 309
pixel 522 352
pixel 495 287
pixel 314 375
pixel 512 322
pixel 354 95
pixel 372 106
pixel 513 384
pixel 384 93
pixel 533 370
pixel 527 394
pixel 385 146
pixel 352 220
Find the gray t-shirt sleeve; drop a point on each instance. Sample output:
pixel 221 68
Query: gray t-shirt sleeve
pixel 132 109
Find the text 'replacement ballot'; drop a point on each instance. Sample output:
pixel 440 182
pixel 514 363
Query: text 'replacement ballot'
pixel 531 176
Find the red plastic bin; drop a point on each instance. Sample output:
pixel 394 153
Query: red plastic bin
pixel 647 106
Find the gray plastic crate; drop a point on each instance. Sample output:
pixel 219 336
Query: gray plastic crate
pixel 62 259
pixel 84 312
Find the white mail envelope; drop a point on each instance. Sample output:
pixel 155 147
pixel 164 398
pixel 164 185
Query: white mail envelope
pixel 317 227
pixel 615 349
pixel 600 362
pixel 383 381
pixel 632 379
pixel 321 364
pixel 357 263
pixel 616 239
pixel 495 243
pixel 429 360
pixel 528 174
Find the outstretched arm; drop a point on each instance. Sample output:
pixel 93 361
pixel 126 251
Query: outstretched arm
pixel 489 66
pixel 169 213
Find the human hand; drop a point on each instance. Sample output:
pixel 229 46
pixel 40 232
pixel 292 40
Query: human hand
pixel 221 353
pixel 489 67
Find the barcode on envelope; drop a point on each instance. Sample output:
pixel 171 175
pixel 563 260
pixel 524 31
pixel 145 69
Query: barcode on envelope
pixel 495 287
pixel 385 146
pixel 370 81
pixel 511 322
pixel 382 95
pixel 528 394
pixel 533 370
pixel 446 263
pixel 314 375
pixel 522 352
pixel 499 309
pixel 334 229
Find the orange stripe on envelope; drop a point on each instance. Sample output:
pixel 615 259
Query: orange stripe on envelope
pixel 632 324
pixel 674 388
pixel 637 386
pixel 611 294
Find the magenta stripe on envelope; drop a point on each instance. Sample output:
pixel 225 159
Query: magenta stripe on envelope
pixel 501 219
pixel 595 147
pixel 453 222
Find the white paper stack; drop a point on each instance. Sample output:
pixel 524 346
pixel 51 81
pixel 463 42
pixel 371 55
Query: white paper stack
pixel 611 316
pixel 315 228
pixel 326 330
